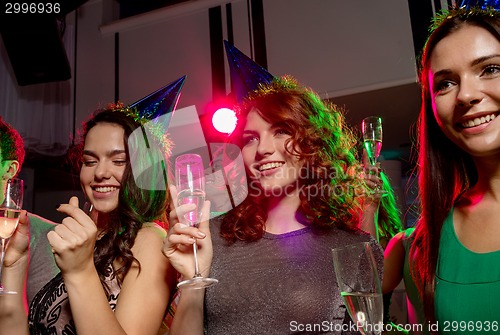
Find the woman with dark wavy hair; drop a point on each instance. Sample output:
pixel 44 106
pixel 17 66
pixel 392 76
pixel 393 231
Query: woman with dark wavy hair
pixel 453 255
pixel 111 277
pixel 272 253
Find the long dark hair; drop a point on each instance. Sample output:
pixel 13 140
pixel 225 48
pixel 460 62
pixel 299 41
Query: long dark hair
pixel 445 171
pixel 325 145
pixel 136 205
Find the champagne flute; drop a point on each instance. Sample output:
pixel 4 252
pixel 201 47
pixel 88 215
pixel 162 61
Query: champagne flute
pixel 372 137
pixel 10 210
pixel 359 284
pixel 371 128
pixel 190 182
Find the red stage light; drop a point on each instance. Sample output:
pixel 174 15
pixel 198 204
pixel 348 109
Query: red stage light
pixel 224 120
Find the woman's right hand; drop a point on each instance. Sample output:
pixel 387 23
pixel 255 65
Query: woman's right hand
pixel 19 242
pixel 178 245
pixel 371 176
pixel 73 240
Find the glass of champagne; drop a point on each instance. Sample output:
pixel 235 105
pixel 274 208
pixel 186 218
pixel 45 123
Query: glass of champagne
pixel 371 128
pixel 190 183
pixel 359 284
pixel 10 210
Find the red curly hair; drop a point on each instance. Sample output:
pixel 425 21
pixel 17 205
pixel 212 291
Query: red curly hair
pixel 322 142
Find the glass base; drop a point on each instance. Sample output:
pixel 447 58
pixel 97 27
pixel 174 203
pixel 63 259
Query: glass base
pixel 197 283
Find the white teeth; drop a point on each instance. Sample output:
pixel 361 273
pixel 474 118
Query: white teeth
pixel 105 189
pixel 478 121
pixel 268 166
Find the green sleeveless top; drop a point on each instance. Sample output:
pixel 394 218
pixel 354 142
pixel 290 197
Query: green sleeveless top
pixel 467 296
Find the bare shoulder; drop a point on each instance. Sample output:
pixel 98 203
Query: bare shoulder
pixel 396 245
pixel 148 243
pixel 399 236
pixel 152 230
pixel 396 239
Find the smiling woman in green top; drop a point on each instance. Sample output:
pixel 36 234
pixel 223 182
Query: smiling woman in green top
pixel 455 253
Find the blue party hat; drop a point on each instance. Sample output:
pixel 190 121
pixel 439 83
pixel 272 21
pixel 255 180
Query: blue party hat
pixel 160 103
pixel 246 75
pixel 154 112
pixel 480 3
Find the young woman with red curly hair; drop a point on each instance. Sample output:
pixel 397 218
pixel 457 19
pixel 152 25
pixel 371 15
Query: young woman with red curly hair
pixel 272 253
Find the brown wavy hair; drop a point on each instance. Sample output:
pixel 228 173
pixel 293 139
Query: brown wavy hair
pixel 321 140
pixel 444 170
pixel 136 205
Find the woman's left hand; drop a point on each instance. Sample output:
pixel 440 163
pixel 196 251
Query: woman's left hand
pixel 371 175
pixel 74 239
pixel 18 247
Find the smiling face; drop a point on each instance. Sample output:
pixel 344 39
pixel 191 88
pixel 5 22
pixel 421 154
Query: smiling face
pixel 464 79
pixel 104 161
pixel 266 159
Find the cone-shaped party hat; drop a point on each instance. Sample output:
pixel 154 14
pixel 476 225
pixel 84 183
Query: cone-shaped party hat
pixel 160 102
pixel 246 75
pixel 154 112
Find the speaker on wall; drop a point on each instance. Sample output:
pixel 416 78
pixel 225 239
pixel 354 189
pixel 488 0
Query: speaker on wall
pixel 35 49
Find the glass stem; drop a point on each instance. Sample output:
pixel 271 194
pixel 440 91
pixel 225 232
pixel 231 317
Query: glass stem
pixel 4 241
pixel 197 273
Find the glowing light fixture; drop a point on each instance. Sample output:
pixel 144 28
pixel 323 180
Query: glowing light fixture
pixel 224 120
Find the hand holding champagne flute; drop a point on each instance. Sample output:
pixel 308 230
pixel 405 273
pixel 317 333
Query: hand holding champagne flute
pixel 372 137
pixel 10 210
pixel 371 128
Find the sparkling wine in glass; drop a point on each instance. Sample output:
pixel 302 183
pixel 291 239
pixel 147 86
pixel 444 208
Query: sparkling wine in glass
pixel 190 183
pixel 372 137
pixel 359 284
pixel 371 128
pixel 10 210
